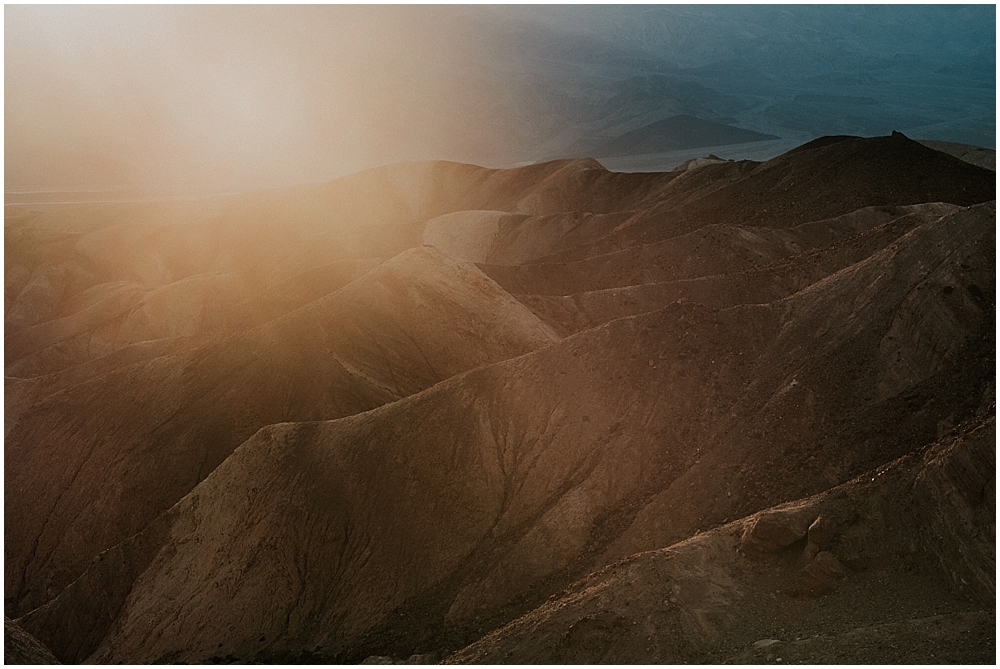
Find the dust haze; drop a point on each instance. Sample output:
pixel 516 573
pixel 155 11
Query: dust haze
pixel 240 97
pixel 500 335
pixel 234 96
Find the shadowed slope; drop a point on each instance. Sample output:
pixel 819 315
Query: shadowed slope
pixel 832 245
pixel 511 239
pixel 19 647
pixel 709 251
pixel 829 177
pixel 716 596
pixel 21 394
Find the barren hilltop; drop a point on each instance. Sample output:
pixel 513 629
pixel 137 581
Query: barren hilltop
pixel 736 412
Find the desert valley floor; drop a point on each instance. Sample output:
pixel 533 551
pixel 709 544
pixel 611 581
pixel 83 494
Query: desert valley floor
pixel 735 412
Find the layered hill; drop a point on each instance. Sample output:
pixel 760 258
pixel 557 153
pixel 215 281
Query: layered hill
pixel 776 264
pixel 825 178
pixel 87 281
pixel 385 450
pixel 156 428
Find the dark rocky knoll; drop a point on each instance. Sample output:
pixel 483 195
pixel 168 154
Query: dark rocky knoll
pixel 823 179
pixel 379 451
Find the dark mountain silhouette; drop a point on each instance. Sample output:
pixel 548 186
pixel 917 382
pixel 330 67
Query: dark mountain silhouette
pixel 666 417
pixel 839 174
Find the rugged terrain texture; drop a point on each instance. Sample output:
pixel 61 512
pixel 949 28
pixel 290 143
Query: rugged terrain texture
pixel 19 647
pixel 735 412
pixel 850 575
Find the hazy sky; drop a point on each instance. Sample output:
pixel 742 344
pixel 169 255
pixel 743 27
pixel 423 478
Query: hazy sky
pixel 219 96
pixel 143 94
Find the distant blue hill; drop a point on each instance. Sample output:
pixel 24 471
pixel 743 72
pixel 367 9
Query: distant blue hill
pixel 675 133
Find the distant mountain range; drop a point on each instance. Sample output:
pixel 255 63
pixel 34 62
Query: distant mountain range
pixel 788 71
pixel 674 133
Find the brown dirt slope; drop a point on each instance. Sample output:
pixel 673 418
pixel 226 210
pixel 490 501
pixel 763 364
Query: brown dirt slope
pixel 887 568
pixel 425 523
pixel 500 238
pixel 132 442
pixel 19 647
pixel 871 229
pixel 21 394
pixel 709 251
pixel 369 448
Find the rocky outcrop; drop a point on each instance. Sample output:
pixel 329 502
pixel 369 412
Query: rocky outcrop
pixel 772 531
